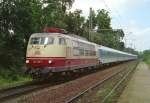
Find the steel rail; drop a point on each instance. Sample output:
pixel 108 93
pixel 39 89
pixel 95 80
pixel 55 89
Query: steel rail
pixel 92 87
pixel 11 92
pixel 15 86
pixel 118 84
pixel 8 93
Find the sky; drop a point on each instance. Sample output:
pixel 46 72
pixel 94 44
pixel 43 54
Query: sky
pixel 133 16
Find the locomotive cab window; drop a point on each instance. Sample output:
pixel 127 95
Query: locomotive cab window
pixel 42 40
pixel 62 41
pixel 35 40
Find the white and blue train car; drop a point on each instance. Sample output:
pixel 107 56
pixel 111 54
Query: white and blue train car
pixel 109 55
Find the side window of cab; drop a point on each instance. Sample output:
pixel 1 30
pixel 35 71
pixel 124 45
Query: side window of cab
pixel 62 41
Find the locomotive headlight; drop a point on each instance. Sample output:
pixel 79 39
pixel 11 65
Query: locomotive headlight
pixel 49 61
pixel 27 61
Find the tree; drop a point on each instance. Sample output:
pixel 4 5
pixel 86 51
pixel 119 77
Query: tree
pixel 108 36
pixel 19 19
pixel 54 13
pixel 74 22
pixel 103 20
pixel 146 55
pixel 66 4
pixel 113 38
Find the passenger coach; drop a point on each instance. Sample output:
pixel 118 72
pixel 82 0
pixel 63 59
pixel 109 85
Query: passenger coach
pixel 109 55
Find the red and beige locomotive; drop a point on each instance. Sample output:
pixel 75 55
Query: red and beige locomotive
pixel 55 51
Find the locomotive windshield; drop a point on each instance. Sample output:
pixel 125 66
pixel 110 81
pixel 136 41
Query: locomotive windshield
pixel 41 40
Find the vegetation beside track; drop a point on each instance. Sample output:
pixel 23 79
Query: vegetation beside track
pixel 9 78
pixel 146 56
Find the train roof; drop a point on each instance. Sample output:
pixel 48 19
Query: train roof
pixel 70 36
pixel 78 38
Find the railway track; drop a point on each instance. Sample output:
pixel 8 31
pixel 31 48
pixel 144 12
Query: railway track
pixel 16 91
pixel 11 92
pixel 66 92
pixel 27 87
pixel 74 99
pixel 60 91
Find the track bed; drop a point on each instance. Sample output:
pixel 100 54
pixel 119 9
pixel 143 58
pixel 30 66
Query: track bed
pixel 64 92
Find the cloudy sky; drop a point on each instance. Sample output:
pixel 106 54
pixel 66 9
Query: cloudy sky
pixel 131 15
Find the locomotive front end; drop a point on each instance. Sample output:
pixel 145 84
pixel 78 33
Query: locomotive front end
pixel 45 53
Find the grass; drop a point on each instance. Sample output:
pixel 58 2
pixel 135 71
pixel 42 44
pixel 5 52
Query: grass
pixel 7 82
pixel 111 98
pixel 146 58
pixel 147 61
pixel 11 78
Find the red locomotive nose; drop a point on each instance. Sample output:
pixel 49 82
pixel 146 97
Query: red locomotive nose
pixel 37 63
pixel 45 62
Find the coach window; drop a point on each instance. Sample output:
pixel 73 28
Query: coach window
pixel 81 51
pixel 62 41
pixel 86 52
pixel 76 51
